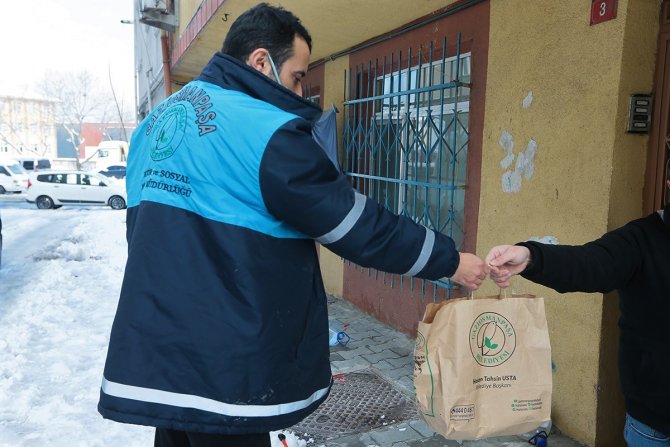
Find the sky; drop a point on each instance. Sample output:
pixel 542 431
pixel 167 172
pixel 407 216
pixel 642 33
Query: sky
pixel 59 286
pixel 67 35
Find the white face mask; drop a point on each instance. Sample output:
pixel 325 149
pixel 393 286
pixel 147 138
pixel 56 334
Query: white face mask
pixel 274 70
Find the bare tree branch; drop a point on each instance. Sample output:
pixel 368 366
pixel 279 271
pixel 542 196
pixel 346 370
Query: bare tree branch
pixel 118 109
pixel 80 100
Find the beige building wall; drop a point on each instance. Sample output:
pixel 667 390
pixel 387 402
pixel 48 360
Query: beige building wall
pixel 27 127
pixel 186 10
pixel 559 88
pixel 332 267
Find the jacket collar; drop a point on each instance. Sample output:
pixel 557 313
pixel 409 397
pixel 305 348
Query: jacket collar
pixel 232 74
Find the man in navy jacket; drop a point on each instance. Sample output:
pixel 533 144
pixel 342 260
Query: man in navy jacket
pixel 221 331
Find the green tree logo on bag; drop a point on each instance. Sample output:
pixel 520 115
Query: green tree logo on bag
pixel 492 339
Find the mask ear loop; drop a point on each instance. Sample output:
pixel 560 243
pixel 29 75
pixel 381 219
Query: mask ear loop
pixel 274 70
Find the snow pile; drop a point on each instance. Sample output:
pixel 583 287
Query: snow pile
pixel 58 296
pixel 59 285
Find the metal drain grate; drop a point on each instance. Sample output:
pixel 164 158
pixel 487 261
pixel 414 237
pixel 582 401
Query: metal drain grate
pixel 358 402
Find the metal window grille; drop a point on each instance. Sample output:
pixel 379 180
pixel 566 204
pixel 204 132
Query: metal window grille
pixel 406 137
pixel 312 94
pixel 316 99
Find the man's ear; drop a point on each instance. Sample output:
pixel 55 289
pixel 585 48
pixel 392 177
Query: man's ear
pixel 258 60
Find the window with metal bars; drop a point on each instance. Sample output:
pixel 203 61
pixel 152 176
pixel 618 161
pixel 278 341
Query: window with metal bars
pixel 406 135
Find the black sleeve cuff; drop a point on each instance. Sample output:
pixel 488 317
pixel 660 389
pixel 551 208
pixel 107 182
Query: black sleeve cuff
pixel 535 264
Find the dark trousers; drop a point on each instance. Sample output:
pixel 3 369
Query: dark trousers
pixel 175 438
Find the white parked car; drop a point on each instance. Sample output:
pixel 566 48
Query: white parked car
pixel 53 189
pixel 13 178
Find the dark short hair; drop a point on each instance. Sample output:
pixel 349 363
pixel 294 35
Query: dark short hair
pixel 265 26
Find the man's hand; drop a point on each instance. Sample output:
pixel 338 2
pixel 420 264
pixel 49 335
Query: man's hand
pixel 506 261
pixel 471 271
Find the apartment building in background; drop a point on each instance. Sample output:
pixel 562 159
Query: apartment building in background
pixel 27 126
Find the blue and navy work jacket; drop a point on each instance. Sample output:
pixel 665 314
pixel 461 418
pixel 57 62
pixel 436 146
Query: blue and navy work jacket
pixel 221 325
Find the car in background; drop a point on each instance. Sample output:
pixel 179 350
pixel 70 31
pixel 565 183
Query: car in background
pixel 53 189
pixel 31 164
pixel 117 170
pixel 13 178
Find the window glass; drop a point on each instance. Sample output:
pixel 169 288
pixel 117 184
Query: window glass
pixel 43 164
pixel 71 179
pixel 88 180
pixel 316 99
pixel 412 154
pixel 3 171
pixel 16 169
pixel 406 136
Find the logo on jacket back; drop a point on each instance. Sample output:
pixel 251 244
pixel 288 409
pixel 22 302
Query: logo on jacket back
pixel 492 339
pixel 168 132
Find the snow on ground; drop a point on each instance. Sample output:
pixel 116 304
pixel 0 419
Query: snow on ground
pixel 59 285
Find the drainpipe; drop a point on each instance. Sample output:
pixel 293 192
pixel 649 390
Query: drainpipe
pixel 167 79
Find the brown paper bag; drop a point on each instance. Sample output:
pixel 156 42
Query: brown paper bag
pixel 483 367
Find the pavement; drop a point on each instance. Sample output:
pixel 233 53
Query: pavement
pixel 378 348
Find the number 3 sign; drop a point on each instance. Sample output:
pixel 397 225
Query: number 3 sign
pixel 602 10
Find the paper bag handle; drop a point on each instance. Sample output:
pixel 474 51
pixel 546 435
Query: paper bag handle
pixel 502 293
